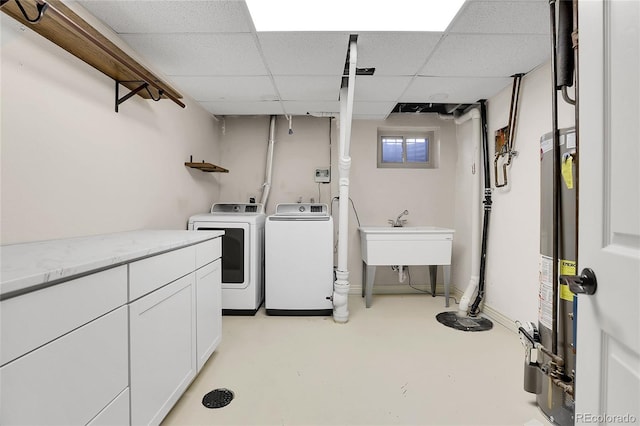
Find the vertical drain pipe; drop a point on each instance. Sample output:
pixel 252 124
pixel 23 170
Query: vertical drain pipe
pixel 341 285
pixel 266 186
pixel 465 301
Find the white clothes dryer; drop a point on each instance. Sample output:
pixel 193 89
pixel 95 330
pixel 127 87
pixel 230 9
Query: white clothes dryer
pixel 299 260
pixel 242 253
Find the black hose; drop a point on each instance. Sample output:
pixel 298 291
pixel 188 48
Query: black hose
pixel 474 310
pixel 564 44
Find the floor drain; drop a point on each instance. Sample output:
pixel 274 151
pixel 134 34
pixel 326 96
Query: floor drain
pixel 217 398
pixel 452 320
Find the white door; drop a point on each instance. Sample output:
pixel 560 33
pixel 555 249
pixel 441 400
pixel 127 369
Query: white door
pixel 608 338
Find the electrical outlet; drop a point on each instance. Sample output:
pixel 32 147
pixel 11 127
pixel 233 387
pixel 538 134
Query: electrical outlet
pixel 323 175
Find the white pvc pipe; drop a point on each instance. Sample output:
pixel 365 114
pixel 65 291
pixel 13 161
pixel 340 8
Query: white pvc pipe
pixel 476 211
pixel 341 285
pixel 266 186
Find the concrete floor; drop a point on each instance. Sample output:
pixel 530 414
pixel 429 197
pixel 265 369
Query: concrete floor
pixel 391 364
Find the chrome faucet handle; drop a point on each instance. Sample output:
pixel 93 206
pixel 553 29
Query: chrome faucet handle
pixel 391 221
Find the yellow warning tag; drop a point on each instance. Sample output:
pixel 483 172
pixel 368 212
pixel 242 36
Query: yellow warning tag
pixel 567 267
pixel 567 171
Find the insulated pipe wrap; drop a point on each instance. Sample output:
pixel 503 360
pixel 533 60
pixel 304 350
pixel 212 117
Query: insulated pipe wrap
pixel 565 57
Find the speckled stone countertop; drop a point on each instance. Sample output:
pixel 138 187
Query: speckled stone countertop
pixel 27 266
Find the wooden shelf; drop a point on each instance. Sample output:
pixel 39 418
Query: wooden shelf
pixel 207 167
pixel 68 30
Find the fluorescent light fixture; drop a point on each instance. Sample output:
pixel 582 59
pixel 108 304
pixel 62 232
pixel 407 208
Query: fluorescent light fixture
pixel 353 15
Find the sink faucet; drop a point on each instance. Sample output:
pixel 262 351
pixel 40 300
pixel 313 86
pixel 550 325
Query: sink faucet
pixel 398 223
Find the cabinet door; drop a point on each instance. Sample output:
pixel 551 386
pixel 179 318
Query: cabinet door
pixel 162 341
pixel 208 310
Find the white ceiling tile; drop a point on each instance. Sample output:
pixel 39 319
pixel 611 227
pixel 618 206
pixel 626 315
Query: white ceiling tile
pixel 316 88
pixel 373 88
pixel 171 16
pixel 304 53
pixel 487 55
pixel 210 88
pixel 370 116
pixel 513 17
pixel 453 90
pixel 199 54
pixel 243 107
pixel 310 107
pixel 373 108
pixel 395 53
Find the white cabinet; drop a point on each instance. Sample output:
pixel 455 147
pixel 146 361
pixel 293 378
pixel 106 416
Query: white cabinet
pixel 163 349
pixel 120 339
pixel 174 326
pixel 208 310
pixel 70 380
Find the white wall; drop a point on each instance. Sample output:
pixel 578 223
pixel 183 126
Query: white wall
pixel 382 194
pixel 514 231
pixel 71 166
pixel 377 194
pixel 244 142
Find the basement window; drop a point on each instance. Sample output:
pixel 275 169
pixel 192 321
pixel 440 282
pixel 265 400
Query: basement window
pixel 406 149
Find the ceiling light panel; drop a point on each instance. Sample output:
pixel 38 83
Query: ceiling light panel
pixel 352 15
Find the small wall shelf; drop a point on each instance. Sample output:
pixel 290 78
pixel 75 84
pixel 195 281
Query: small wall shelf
pixel 59 24
pixel 207 167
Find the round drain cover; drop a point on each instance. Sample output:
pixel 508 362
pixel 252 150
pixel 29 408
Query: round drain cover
pixel 217 398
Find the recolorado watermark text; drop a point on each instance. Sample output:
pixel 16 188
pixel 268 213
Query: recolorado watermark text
pixel 606 418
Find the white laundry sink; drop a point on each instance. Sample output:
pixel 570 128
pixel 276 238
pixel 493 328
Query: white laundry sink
pixel 406 245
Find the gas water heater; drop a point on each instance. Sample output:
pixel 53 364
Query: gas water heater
pixel 551 346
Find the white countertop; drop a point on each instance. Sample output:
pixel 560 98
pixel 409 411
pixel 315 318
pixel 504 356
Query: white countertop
pixel 33 264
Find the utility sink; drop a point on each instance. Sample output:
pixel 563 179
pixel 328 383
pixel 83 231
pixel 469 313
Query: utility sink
pixel 405 246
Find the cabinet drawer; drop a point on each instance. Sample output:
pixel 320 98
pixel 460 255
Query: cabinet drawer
pixel 152 273
pixel 34 319
pixel 71 379
pixel 208 251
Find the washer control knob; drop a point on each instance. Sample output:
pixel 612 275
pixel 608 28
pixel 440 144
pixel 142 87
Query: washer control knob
pixel 301 208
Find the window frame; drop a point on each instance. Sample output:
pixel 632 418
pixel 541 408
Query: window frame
pixel 430 134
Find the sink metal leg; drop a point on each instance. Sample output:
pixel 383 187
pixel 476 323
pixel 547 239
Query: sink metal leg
pixel 370 272
pixel 447 281
pixel 364 277
pixel 433 274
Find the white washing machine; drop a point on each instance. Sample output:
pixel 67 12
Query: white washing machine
pixel 299 260
pixel 242 253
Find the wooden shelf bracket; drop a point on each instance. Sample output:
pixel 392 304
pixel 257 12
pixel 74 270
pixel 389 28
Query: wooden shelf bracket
pixel 144 85
pixel 61 25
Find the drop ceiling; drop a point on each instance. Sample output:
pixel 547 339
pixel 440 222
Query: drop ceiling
pixel 209 50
